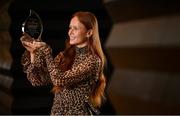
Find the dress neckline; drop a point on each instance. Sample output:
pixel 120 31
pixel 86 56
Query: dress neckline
pixel 82 50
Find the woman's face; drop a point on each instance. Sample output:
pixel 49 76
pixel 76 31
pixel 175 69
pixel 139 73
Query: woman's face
pixel 77 33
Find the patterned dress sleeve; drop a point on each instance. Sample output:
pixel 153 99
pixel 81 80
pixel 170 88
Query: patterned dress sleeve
pixel 37 72
pixel 74 75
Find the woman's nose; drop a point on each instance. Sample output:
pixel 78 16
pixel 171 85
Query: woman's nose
pixel 70 31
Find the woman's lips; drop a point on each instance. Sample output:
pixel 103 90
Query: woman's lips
pixel 72 38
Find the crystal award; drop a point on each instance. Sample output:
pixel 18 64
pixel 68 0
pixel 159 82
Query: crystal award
pixel 33 26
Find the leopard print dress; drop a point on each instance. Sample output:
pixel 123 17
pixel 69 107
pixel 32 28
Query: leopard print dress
pixel 77 83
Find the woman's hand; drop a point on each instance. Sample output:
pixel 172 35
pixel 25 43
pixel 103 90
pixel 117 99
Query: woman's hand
pixel 30 44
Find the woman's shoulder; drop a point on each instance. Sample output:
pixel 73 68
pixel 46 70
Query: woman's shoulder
pixel 94 57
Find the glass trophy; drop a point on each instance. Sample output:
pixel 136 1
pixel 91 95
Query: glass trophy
pixel 33 26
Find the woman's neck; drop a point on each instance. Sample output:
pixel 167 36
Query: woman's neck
pixel 82 45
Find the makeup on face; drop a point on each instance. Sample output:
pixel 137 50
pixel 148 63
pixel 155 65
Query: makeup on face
pixel 77 32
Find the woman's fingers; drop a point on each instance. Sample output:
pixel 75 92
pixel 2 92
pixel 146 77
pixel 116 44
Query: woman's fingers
pixel 39 44
pixel 31 46
pixel 34 44
pixel 22 38
pixel 27 44
pixel 26 37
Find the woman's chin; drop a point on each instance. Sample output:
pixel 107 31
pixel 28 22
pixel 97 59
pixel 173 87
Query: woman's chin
pixel 71 43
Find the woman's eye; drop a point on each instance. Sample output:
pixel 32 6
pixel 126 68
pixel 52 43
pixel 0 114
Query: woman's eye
pixel 75 28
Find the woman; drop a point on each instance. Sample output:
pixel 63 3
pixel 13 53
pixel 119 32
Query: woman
pixel 76 73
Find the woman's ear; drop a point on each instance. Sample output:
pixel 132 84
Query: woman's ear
pixel 89 33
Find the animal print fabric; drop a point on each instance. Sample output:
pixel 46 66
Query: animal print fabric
pixel 77 83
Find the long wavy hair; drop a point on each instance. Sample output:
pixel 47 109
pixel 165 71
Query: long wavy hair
pixel 90 22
